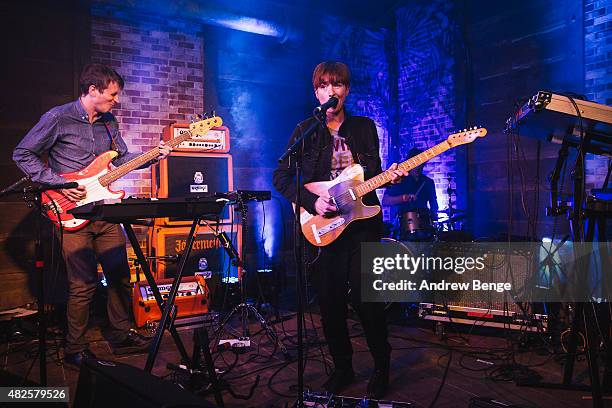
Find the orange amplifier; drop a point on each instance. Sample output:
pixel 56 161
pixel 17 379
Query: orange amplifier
pixel 191 299
pixel 207 254
pixel 215 140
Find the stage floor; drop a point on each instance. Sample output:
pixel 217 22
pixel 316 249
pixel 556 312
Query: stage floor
pixel 482 365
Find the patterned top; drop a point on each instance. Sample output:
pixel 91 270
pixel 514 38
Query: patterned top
pixel 341 154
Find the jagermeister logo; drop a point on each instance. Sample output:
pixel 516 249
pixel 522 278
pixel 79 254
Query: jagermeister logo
pixel 198 244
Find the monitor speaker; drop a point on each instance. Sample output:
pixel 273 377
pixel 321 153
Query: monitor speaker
pixel 105 384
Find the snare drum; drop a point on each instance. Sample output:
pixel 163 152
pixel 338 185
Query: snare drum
pixel 416 225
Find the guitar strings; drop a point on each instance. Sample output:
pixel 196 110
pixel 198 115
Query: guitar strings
pixel 91 187
pixel 95 185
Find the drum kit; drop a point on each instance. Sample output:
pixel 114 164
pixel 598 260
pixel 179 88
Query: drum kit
pixel 418 226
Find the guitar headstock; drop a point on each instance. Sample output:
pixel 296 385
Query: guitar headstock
pixel 467 136
pixel 202 127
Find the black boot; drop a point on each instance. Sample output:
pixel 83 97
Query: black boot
pixel 342 376
pixel 379 380
pixel 339 379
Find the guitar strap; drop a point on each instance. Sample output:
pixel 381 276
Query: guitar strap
pixel 110 136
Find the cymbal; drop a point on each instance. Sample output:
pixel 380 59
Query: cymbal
pixel 449 210
pixel 451 220
pixel 458 218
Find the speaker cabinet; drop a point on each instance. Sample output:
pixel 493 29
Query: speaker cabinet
pixel 490 308
pixel 105 384
pixel 515 267
pixel 207 254
pixel 191 175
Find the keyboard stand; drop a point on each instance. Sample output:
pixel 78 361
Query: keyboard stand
pixel 160 302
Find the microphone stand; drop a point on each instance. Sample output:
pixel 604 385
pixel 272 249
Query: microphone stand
pixel 243 307
pixel 296 151
pixel 32 196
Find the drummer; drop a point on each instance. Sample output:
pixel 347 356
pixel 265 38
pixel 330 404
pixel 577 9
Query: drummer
pixel 416 192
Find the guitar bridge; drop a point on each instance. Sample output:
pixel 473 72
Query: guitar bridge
pixel 330 227
pixel 53 206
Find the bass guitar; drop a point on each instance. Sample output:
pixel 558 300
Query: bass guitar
pixel 98 176
pixel 347 190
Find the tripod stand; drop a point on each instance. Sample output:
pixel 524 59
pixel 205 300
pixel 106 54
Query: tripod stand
pixel 32 196
pixel 243 307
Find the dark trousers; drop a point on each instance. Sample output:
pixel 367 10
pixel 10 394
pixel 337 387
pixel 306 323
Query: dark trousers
pixel 97 242
pixel 337 270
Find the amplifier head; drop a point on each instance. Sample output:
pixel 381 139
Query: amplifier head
pixel 215 140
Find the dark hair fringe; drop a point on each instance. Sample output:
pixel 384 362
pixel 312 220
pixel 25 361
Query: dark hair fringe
pixel 336 72
pixel 100 76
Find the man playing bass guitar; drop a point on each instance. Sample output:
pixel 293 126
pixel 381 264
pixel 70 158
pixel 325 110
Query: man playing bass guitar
pixel 72 136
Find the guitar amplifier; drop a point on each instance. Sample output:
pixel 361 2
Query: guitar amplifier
pixel 192 175
pixel 207 254
pixel 216 140
pixel 191 300
pixel 493 309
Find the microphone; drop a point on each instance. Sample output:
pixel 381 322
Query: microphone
pixel 13 186
pixel 164 258
pixel 332 103
pixel 226 243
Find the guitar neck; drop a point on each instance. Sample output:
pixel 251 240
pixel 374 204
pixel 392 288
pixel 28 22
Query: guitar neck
pixel 136 162
pixel 413 162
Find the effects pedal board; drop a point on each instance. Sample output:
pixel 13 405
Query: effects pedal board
pixel 326 400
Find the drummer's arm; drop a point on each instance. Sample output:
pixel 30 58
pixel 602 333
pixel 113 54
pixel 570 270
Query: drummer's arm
pixel 395 199
pixel 433 203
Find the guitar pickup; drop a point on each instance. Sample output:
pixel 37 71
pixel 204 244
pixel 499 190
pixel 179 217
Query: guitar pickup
pixel 352 194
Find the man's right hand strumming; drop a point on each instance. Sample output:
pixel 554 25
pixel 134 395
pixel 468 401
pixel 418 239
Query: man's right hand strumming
pixel 75 194
pixel 325 206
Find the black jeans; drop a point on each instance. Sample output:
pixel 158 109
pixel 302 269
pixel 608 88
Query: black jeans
pixel 337 270
pixel 97 242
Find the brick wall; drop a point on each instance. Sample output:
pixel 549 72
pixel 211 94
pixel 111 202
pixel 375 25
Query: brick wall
pixel 428 85
pixel 597 71
pixel 366 52
pixel 162 64
pixel 369 55
pixel 515 52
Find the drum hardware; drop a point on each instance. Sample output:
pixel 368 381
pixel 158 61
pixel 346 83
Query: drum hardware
pixel 457 218
pixel 416 225
pixel 451 211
